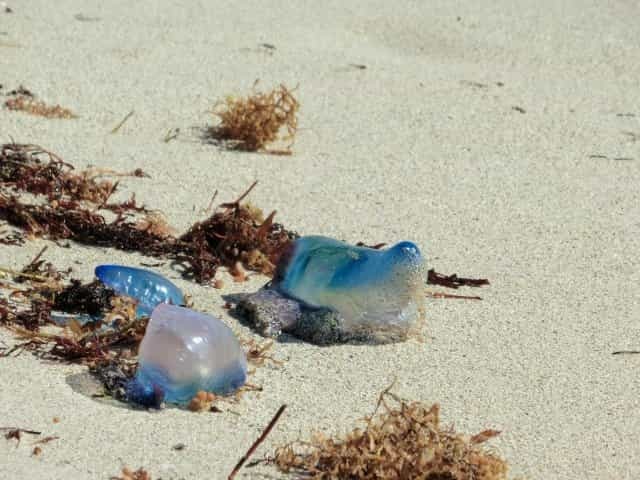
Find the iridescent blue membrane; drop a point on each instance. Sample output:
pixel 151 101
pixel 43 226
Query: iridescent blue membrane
pixel 369 288
pixel 182 352
pixel 148 288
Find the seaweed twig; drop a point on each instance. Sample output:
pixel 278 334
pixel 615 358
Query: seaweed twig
pixel 258 441
pixel 453 281
pixel 44 440
pixel 122 122
pixel 16 433
pixel 22 430
pixel 448 295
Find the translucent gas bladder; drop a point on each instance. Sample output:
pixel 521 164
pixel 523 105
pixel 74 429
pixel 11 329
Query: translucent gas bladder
pixel 183 352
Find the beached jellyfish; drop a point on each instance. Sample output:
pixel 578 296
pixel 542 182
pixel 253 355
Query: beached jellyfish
pixel 182 352
pixel 342 292
pixel 148 288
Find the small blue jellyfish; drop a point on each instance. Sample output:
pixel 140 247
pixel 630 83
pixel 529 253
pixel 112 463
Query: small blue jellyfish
pixel 182 352
pixel 148 288
pixel 372 293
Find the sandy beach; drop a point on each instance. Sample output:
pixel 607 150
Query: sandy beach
pixel 501 137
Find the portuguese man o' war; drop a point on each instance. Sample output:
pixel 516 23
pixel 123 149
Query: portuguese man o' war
pixel 148 288
pixel 182 352
pixel 327 291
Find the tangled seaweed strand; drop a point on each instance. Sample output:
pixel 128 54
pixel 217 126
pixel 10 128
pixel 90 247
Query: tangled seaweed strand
pixel 251 123
pixel 404 441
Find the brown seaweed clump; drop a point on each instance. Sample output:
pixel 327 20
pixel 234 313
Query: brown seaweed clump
pixel 252 122
pixel 404 441
pixel 236 233
pixel 24 101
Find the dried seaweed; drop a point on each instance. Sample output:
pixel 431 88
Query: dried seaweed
pixel 86 345
pixel 234 233
pixel 15 433
pixel 23 168
pixel 403 441
pixel 92 299
pixel 252 122
pixel 258 353
pixel 24 100
pixel 68 220
pixel 48 439
pixel 128 474
pixel 44 281
pixel 37 315
pixel 40 271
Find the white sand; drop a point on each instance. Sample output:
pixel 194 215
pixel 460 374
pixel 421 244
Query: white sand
pixel 409 148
